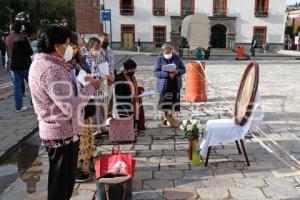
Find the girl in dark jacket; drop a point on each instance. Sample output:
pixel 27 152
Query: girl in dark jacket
pixel 169 84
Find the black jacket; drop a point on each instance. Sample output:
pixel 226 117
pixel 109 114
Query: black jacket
pixel 19 51
pixel 2 47
pixel 123 95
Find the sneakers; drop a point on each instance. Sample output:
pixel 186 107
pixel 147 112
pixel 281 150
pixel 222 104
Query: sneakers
pixel 82 177
pixel 21 109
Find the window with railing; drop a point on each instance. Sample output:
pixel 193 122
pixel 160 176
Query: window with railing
pixel 158 7
pixel 159 35
pixel 219 7
pixel 260 35
pixel 127 7
pixel 261 8
pixel 187 7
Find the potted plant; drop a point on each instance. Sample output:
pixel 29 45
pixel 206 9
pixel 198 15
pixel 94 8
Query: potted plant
pixel 193 129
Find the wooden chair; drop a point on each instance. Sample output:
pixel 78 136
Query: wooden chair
pixel 234 130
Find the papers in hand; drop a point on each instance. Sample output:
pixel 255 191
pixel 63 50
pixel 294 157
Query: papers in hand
pixel 169 68
pixel 147 94
pixel 81 78
pixel 104 69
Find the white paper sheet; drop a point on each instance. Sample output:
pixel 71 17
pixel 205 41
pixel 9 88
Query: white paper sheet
pixel 81 78
pixel 169 68
pixel 104 69
pixel 147 93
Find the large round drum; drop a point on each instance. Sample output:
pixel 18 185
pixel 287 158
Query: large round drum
pixel 246 94
pixel 195 82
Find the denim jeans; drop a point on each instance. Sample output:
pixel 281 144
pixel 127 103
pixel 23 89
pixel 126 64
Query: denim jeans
pixel 18 78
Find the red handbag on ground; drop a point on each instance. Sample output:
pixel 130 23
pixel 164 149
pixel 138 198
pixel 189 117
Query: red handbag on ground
pixel 116 163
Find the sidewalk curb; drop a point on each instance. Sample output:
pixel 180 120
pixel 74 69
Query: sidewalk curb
pixel 17 145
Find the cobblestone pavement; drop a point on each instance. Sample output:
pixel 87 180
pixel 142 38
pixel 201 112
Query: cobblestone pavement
pixel 163 170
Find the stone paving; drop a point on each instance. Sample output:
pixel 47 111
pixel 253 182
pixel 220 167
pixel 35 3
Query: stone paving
pixel 15 126
pixel 163 170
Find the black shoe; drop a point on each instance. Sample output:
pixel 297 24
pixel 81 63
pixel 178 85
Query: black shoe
pixel 165 123
pixel 82 177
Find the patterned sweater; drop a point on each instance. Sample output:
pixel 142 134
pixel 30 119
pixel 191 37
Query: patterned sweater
pixel 59 110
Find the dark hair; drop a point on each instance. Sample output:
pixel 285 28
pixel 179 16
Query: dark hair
pixel 92 42
pixel 129 64
pixel 74 38
pixel 103 35
pixel 52 35
pixel 17 27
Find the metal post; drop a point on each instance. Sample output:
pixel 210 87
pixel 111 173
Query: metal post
pixel 110 25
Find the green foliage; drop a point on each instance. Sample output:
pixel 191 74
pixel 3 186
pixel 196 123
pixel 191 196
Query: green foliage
pixel 192 128
pixel 298 29
pixel 40 12
pixel 289 30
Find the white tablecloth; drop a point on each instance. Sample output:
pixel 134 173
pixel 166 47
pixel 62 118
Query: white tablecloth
pixel 222 131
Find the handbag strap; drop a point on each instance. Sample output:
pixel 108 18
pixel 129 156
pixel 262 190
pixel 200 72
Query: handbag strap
pixel 106 188
pixel 124 190
pixel 116 112
pixel 113 149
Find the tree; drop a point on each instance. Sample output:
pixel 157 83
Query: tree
pixel 40 12
pixel 298 30
pixel 289 30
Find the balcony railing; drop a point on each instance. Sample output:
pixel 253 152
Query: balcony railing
pixel 158 11
pixel 261 13
pixel 127 10
pixel 187 11
pixel 219 13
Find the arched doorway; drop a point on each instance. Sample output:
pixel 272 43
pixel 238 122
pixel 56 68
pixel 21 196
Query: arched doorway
pixel 218 36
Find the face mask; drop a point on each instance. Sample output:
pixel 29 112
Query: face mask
pixel 168 56
pixel 96 53
pixel 105 45
pixel 75 51
pixel 68 54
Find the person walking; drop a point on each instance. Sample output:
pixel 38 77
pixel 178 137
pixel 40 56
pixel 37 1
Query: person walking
pixel 59 109
pixel 139 45
pixel 169 84
pixel 253 46
pixel 19 52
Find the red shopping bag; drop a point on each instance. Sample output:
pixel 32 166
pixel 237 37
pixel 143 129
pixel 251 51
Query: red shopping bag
pixel 116 163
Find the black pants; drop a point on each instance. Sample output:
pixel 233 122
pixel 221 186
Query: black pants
pixel 62 172
pixel 253 51
pixel 3 59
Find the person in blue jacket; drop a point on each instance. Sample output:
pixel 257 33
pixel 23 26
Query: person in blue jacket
pixel 169 84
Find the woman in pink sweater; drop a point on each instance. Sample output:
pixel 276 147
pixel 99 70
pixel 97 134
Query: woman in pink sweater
pixel 59 108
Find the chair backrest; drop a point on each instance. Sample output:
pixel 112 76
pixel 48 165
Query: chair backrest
pixel 246 94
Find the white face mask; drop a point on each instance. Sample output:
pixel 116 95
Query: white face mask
pixel 68 54
pixel 168 56
pixel 96 53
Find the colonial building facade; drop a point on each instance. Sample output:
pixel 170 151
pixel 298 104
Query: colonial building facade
pixel 233 22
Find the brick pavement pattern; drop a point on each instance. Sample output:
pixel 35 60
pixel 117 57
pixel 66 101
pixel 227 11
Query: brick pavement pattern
pixel 163 170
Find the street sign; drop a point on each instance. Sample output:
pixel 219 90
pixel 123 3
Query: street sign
pixel 105 15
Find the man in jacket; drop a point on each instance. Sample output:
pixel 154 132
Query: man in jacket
pixel 19 52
